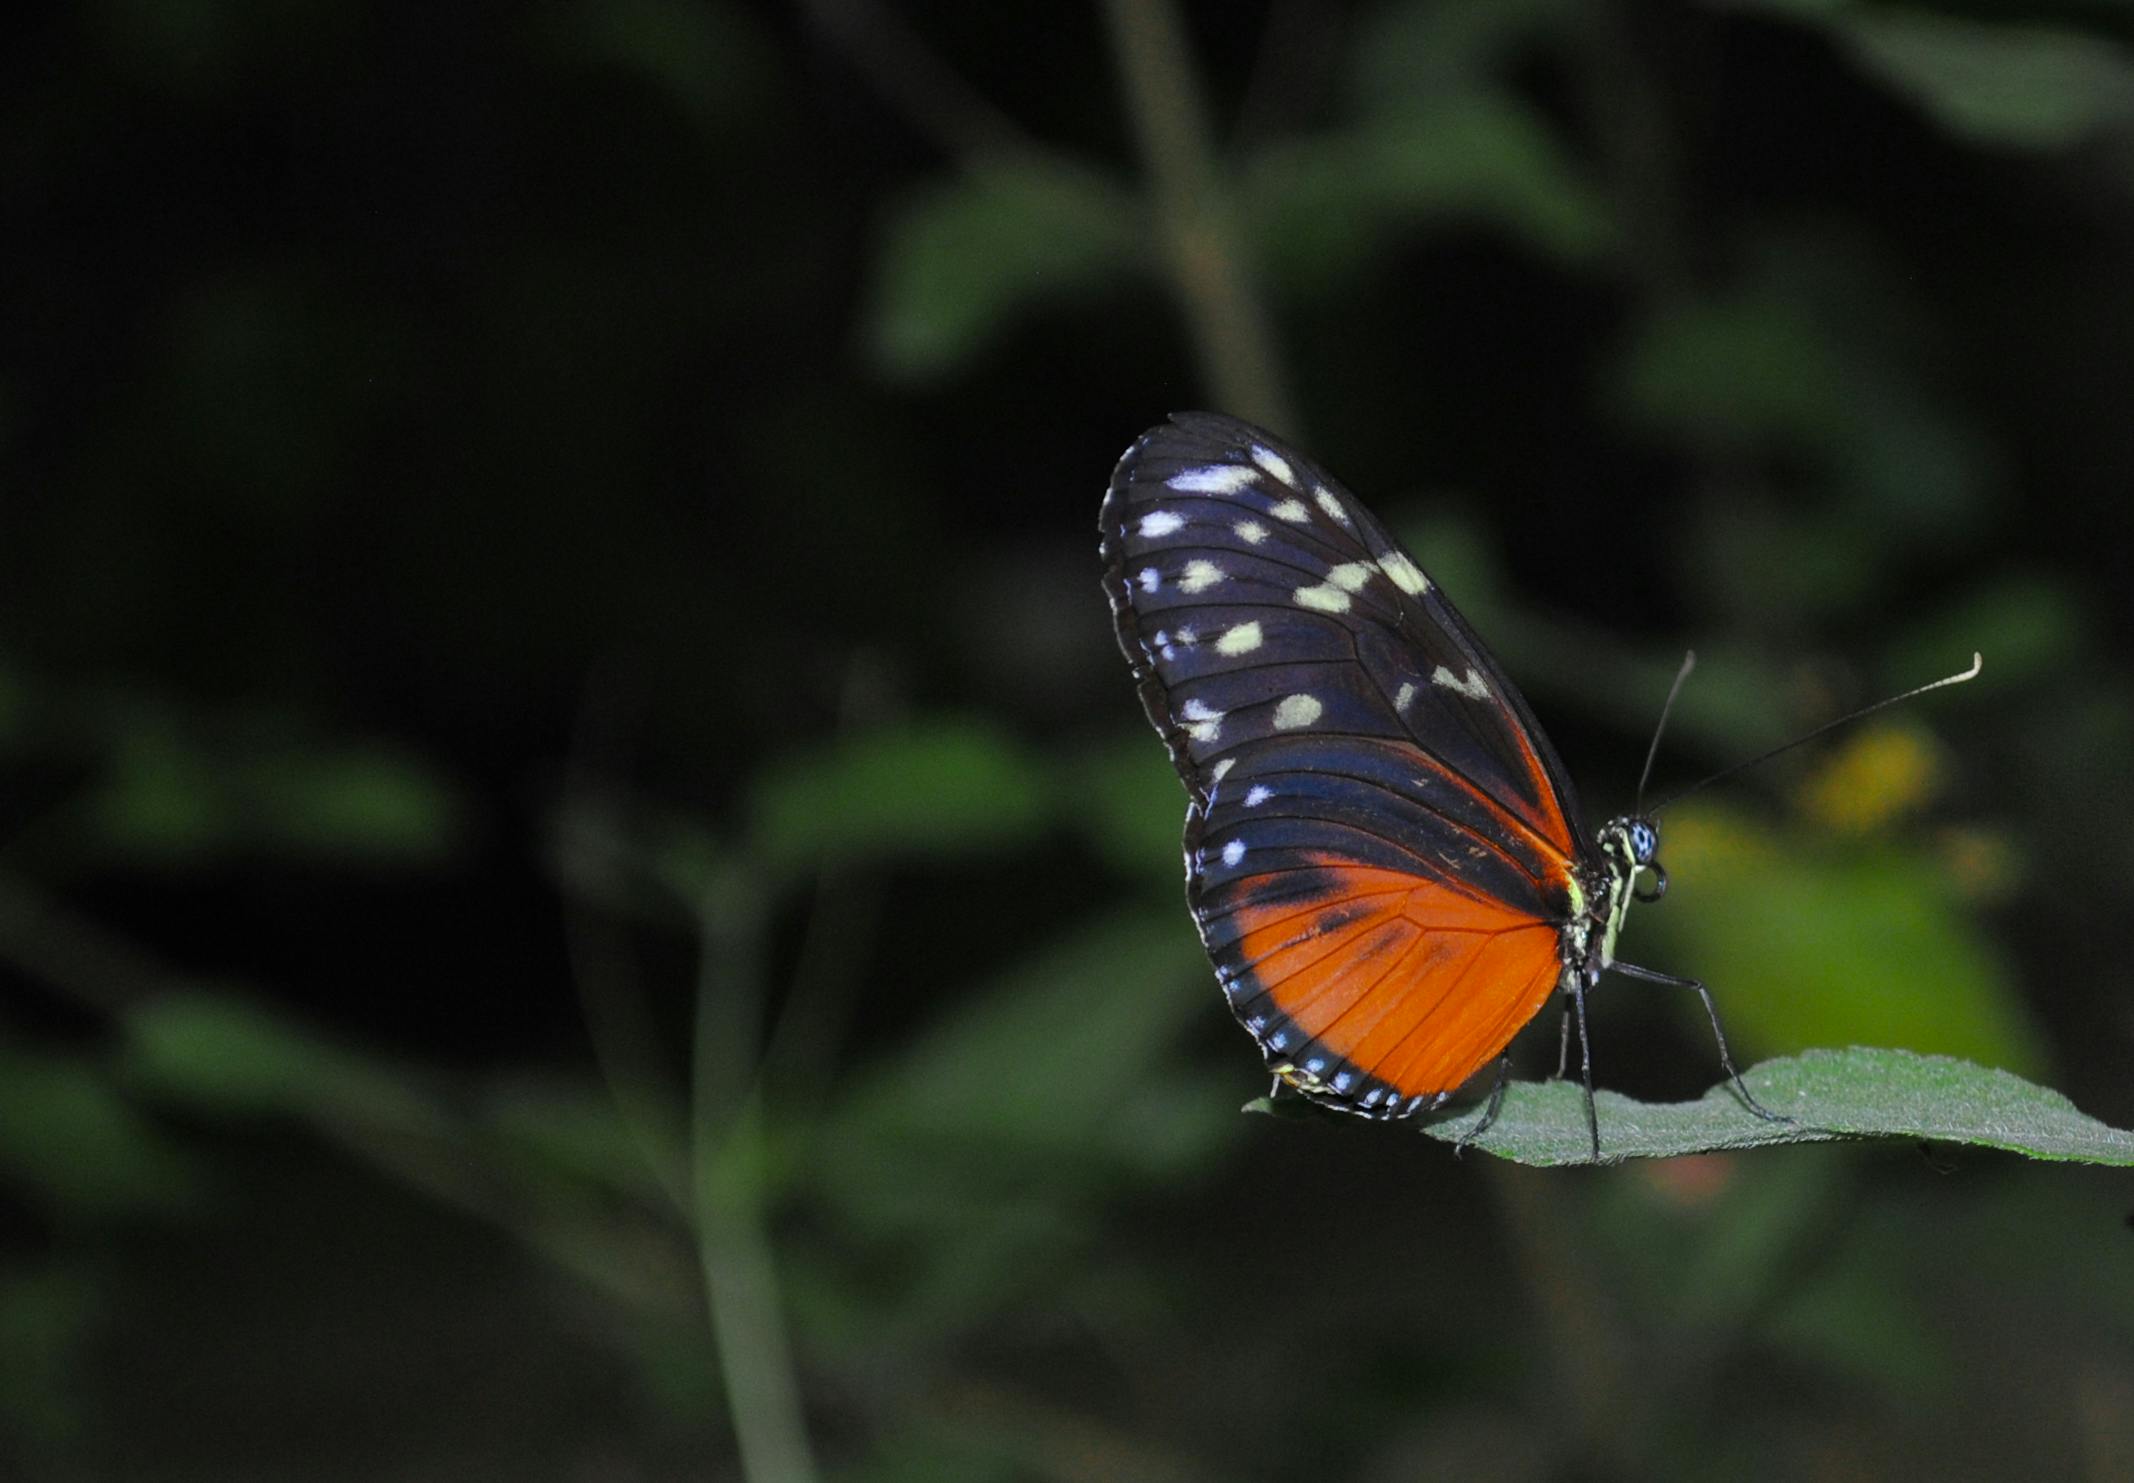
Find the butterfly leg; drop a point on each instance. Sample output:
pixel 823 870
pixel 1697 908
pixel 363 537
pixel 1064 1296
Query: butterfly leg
pixel 1711 1011
pixel 1489 1112
pixel 1585 1063
pixel 1563 1041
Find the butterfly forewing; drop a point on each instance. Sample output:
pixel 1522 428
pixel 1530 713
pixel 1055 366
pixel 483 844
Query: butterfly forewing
pixel 1380 844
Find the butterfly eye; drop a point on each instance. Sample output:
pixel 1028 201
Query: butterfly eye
pixel 1644 843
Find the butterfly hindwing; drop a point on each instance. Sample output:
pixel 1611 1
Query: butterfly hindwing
pixel 1380 841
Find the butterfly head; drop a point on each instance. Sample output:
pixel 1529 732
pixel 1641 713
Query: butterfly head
pixel 1631 845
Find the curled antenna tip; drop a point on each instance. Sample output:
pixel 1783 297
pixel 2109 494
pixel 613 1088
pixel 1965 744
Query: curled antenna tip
pixel 1978 662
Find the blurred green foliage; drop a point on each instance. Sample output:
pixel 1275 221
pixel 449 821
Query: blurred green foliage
pixel 585 895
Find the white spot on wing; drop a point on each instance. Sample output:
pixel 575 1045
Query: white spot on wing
pixel 1291 510
pixel 1214 478
pixel 1233 852
pixel 1217 772
pixel 1242 639
pixel 1199 576
pixel 1150 579
pixel 1161 522
pixel 1324 598
pixel 1403 696
pixel 1275 464
pixel 1474 687
pixel 1203 722
pixel 1257 794
pixel 1405 574
pixel 1250 531
pixel 1351 575
pixel 1332 506
pixel 1297 710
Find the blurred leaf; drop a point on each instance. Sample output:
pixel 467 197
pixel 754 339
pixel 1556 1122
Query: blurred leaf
pixel 2025 622
pixel 569 1135
pixel 1040 1073
pixel 1042 1058
pixel 160 801
pixel 178 792
pixel 1872 946
pixel 1128 802
pixel 1817 364
pixel 353 802
pixel 967 255
pixel 2030 87
pixel 1830 1094
pixel 1743 1247
pixel 708 58
pixel 1737 368
pixel 930 787
pixel 223 1055
pixel 1846 1315
pixel 71 1139
pixel 2040 87
pixel 1409 55
pixel 1320 204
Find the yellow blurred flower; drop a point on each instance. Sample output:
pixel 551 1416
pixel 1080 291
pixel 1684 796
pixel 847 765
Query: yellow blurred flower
pixel 1880 775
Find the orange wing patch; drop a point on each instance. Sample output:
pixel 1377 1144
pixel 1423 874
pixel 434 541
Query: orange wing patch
pixel 1408 981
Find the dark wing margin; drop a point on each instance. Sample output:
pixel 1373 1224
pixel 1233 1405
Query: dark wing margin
pixel 1380 840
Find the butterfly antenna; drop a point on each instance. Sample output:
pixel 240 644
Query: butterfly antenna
pixel 1978 663
pixel 1689 662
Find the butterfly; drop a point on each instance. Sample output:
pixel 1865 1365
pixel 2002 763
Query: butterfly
pixel 1384 854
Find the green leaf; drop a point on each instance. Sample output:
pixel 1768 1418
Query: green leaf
pixel 355 803
pixel 1061 1076
pixel 1319 205
pixel 2032 623
pixel 931 787
pixel 72 1141
pixel 1052 1057
pixel 1406 56
pixel 1829 1094
pixel 966 256
pixel 1751 365
pixel 178 791
pixel 709 60
pixel 220 1054
pixel 2031 87
pixel 1806 945
pixel 1129 806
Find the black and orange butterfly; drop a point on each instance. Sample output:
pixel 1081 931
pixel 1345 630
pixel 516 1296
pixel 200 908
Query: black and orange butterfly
pixel 1383 852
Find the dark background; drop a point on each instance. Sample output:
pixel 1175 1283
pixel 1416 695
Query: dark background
pixel 562 753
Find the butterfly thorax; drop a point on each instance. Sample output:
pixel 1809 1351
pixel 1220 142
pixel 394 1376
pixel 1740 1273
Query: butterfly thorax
pixel 1628 847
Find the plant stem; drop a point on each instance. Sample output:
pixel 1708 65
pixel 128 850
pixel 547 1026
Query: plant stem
pixel 1231 337
pixel 740 1277
pixel 741 1293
